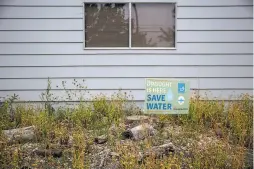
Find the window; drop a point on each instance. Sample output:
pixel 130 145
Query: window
pixel 129 25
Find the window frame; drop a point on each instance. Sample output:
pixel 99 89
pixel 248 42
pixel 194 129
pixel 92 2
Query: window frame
pixel 129 2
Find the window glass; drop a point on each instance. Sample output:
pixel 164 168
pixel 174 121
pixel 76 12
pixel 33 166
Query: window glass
pixel 107 25
pixel 153 25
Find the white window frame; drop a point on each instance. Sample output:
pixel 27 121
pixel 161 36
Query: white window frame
pixel 130 2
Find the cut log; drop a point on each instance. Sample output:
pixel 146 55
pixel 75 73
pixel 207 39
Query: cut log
pixel 101 139
pixel 25 134
pixel 131 119
pixel 139 132
pixel 45 152
pixel 25 167
pixel 158 151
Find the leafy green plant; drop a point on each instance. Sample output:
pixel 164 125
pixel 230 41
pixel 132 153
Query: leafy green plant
pixel 9 118
pixel 47 97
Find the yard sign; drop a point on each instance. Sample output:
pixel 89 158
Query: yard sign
pixel 167 96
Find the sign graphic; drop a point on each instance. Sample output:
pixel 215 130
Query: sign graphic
pixel 181 87
pixel 181 100
pixel 166 96
pixel 170 95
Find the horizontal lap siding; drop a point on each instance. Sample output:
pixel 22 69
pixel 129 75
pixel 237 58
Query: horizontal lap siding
pixel 108 83
pixel 125 60
pixel 77 48
pixel 129 71
pixel 79 2
pixel 77 24
pixel 44 38
pixel 78 12
pixel 77 36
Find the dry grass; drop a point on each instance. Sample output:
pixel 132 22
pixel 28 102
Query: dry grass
pixel 215 135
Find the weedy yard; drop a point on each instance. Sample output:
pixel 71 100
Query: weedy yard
pixel 112 133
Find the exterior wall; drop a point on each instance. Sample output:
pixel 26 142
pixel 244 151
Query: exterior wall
pixel 44 38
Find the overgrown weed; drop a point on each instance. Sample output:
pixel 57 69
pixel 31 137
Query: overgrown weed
pixel 74 128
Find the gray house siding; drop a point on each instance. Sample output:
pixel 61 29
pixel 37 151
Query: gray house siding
pixel 44 38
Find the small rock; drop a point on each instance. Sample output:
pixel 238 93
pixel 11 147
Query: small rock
pixel 101 139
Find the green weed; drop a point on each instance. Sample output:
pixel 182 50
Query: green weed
pixel 73 129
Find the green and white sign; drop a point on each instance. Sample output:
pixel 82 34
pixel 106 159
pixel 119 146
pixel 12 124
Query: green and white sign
pixel 167 96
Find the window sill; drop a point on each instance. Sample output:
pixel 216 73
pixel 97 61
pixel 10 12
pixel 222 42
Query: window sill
pixel 129 51
pixel 149 48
